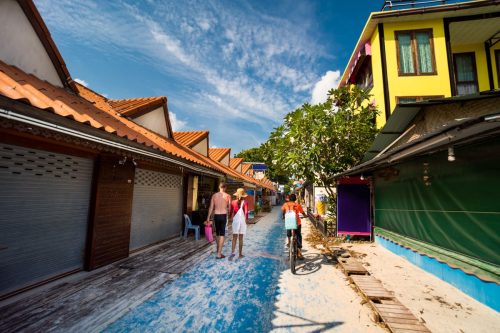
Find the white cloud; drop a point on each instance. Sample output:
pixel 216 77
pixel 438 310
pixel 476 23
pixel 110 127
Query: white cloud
pixel 177 124
pixel 82 82
pixel 328 81
pixel 237 62
pixel 204 24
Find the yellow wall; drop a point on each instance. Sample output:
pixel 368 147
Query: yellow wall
pixel 494 66
pixel 422 85
pixel 378 84
pixel 481 66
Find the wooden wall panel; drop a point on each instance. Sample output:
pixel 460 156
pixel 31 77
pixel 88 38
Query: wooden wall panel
pixel 112 212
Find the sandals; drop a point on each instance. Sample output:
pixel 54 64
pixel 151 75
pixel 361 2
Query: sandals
pixel 221 257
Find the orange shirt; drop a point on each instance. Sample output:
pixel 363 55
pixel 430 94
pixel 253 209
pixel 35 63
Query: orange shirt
pixel 295 207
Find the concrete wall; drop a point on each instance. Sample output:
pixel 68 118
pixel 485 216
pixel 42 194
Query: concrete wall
pixel 434 117
pixel 225 160
pixel 202 147
pixel 20 45
pixel 155 121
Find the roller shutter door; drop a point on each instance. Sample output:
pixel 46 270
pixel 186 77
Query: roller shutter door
pixel 44 205
pixel 156 207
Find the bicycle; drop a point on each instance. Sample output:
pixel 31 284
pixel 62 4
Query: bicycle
pixel 293 251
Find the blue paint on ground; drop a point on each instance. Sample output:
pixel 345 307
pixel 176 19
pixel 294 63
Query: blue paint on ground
pixel 219 295
pixel 487 293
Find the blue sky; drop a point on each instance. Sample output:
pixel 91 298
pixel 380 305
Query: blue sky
pixel 232 67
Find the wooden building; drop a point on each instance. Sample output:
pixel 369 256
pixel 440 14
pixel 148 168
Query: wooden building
pixel 83 179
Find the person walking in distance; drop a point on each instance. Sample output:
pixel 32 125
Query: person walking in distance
pixel 219 205
pixel 291 205
pixel 239 213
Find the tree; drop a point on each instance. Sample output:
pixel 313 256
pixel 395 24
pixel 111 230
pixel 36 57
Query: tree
pixel 316 142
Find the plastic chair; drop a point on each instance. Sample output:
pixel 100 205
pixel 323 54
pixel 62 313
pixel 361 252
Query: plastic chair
pixel 188 225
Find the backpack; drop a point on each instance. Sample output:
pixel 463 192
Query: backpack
pixel 239 217
pixel 290 218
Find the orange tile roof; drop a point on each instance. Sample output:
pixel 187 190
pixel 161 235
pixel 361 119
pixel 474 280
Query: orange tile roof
pixel 235 161
pixel 267 184
pixel 17 85
pixel 132 106
pixel 191 138
pixel 245 168
pixel 167 145
pixel 218 153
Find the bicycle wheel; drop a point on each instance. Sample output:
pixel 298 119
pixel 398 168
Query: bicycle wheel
pixel 293 253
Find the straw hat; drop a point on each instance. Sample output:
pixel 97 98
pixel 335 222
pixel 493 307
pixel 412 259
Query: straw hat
pixel 240 193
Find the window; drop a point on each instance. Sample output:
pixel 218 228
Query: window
pixel 415 52
pixel 414 99
pixel 364 78
pixel 465 73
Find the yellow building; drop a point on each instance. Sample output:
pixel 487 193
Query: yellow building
pixel 425 52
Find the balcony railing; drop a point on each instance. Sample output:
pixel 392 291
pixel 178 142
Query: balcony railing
pixel 407 4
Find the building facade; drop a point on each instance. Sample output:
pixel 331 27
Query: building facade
pixel 425 53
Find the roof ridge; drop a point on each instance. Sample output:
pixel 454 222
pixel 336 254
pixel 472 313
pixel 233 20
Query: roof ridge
pixel 137 98
pixel 197 131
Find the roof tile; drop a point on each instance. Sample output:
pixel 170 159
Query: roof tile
pixel 131 106
pixel 235 162
pixel 18 85
pixel 245 168
pixel 168 145
pixel 190 138
pixel 217 154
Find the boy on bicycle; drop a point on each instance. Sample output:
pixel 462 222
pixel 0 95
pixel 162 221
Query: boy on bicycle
pixel 291 205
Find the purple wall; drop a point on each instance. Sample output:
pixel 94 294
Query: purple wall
pixel 353 209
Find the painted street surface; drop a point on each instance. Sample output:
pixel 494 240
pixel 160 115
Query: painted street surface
pixel 255 294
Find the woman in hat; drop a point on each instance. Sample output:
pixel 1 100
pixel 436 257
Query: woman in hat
pixel 239 212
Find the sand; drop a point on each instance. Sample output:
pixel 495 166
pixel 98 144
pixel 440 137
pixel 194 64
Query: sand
pixel 319 299
pixel 441 306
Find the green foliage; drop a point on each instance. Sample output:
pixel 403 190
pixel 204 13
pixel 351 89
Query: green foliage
pixel 316 142
pixel 259 154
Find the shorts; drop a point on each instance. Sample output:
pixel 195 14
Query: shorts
pixel 298 233
pixel 220 224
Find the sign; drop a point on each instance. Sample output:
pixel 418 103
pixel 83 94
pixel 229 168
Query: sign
pixel 320 200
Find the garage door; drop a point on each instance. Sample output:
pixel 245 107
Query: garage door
pixel 44 205
pixel 156 207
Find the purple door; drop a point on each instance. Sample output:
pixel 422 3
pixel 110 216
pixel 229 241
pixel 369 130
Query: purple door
pixel 353 209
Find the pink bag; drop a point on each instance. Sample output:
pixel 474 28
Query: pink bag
pixel 208 233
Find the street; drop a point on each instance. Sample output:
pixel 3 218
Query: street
pixel 255 294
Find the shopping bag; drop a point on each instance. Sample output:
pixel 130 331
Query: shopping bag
pixel 208 233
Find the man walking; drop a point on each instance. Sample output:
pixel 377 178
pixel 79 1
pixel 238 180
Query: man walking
pixel 219 205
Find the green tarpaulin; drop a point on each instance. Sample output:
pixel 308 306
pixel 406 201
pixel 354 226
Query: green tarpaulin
pixel 457 208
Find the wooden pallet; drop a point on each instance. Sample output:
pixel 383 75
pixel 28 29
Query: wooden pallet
pixel 370 287
pixel 398 318
pixel 351 266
